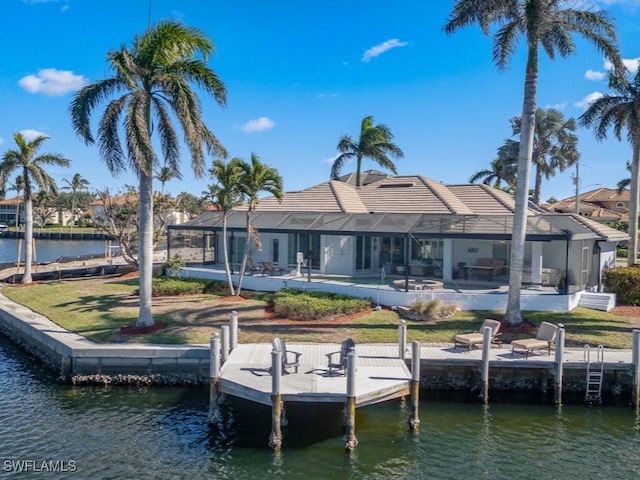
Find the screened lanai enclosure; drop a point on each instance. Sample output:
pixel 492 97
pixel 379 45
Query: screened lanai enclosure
pixel 562 251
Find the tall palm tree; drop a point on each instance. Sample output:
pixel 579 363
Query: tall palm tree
pixel 500 171
pixel 256 177
pixel 621 111
pixel 555 146
pixel 164 175
pixel 18 187
pixel 225 193
pixel 375 142
pixel 31 167
pixel 151 84
pixel 549 24
pixel 623 184
pixel 77 184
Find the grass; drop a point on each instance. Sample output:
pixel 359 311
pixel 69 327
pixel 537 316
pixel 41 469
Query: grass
pixel 98 308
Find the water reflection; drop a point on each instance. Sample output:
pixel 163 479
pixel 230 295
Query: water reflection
pixel 119 432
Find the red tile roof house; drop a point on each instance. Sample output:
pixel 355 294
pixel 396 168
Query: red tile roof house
pixel 410 228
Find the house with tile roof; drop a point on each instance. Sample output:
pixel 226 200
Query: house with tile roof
pixel 602 205
pixel 410 226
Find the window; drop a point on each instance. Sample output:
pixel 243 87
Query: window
pixel 363 253
pixel 275 250
pixel 309 245
pixel 620 205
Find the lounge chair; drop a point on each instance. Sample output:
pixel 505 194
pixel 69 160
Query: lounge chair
pixel 340 363
pixel 470 339
pixel 270 269
pixel 545 337
pixel 251 267
pixel 289 357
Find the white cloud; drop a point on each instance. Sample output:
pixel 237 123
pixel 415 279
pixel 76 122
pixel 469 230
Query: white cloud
pixel 630 63
pixel 30 135
pixel 64 8
pixel 588 100
pixel 329 161
pixel 51 81
pixel 558 106
pixel 593 75
pixel 1 140
pixel 258 125
pixel 382 48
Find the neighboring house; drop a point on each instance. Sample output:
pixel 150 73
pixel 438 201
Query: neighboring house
pixel 97 209
pixel 602 205
pixel 411 225
pixel 8 209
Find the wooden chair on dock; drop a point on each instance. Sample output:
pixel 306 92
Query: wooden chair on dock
pixel 471 339
pixel 340 364
pixel 544 340
pixel 289 357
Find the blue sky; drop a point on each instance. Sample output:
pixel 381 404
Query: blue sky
pixel 300 74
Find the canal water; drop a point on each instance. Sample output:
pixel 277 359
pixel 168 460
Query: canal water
pixel 49 250
pixel 162 433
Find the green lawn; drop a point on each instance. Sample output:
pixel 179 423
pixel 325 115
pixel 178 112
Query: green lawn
pixel 98 308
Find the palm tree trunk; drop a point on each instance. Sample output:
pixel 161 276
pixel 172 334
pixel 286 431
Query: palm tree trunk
pixel 227 269
pixel 634 207
pixel 145 250
pixel 358 167
pixel 537 185
pixel 513 315
pixel 245 255
pixel 28 239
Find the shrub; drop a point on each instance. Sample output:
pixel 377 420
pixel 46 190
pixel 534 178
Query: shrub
pixel 433 309
pixel 300 305
pixel 625 283
pixel 175 286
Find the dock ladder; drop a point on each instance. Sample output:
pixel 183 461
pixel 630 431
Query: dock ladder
pixel 595 375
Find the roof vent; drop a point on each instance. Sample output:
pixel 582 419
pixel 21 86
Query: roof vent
pixel 396 185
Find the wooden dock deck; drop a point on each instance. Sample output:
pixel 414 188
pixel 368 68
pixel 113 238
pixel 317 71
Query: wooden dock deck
pixel 380 375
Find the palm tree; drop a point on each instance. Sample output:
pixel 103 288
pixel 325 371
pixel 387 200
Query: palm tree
pixel 256 177
pixel 623 184
pixel 17 186
pixel 31 167
pixel 500 171
pixel 621 111
pixel 226 194
pixel 546 24
pixel 154 76
pixel 555 146
pixel 164 176
pixel 374 143
pixel 77 184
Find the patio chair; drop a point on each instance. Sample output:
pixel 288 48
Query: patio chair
pixel 251 267
pixel 476 338
pixel 545 337
pixel 340 363
pixel 270 269
pixel 289 357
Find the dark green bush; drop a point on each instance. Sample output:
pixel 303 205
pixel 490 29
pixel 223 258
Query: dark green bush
pixel 176 286
pixel 625 283
pixel 300 305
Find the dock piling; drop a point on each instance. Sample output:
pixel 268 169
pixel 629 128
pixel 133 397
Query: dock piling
pixel 275 439
pixel 214 375
pixel 486 345
pixel 557 390
pixel 350 435
pixel 233 327
pixel 636 369
pixel 414 420
pixel 402 339
pixel 225 343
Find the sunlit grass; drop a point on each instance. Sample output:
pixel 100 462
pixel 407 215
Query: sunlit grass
pixel 98 309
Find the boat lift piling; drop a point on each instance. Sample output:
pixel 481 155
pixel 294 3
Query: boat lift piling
pixel 414 420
